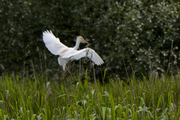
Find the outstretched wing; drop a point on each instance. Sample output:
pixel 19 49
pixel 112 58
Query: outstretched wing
pixel 52 43
pixel 86 52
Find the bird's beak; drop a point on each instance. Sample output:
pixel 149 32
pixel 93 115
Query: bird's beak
pixel 86 42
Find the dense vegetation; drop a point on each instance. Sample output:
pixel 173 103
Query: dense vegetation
pixel 136 35
pixel 134 38
pixel 39 99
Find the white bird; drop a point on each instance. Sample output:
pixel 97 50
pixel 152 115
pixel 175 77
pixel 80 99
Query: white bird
pixel 65 53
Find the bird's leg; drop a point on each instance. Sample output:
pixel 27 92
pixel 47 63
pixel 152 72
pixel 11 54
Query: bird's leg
pixel 89 52
pixel 79 69
pixel 67 69
pixel 91 66
pixel 90 60
pixel 63 75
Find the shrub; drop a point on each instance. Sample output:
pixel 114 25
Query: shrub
pixel 129 35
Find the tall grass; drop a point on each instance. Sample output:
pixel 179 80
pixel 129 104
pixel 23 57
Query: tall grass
pixel 39 99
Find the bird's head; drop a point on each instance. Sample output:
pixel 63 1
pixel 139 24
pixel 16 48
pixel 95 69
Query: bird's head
pixel 81 39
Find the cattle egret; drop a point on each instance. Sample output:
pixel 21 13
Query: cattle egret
pixel 65 53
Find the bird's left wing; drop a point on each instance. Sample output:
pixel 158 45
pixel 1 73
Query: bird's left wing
pixel 86 52
pixel 52 43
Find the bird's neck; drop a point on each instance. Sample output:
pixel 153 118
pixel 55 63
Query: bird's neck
pixel 77 44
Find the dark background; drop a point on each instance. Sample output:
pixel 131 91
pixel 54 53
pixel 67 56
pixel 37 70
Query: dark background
pixel 130 36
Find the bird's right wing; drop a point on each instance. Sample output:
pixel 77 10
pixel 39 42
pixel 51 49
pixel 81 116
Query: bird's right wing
pixel 86 52
pixel 52 43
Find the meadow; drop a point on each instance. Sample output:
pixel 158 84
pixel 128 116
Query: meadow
pixel 156 97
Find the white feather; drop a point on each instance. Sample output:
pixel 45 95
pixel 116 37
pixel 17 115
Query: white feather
pixel 86 52
pixel 54 45
pixel 62 62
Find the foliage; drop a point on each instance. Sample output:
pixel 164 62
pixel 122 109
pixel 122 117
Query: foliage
pixel 38 99
pixel 133 35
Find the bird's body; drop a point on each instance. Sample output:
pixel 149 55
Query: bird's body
pixel 65 53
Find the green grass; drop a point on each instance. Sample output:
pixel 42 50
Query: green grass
pixel 26 99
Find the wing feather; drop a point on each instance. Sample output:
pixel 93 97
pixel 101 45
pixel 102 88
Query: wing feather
pixel 86 52
pixel 52 43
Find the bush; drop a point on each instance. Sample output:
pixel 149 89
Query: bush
pixel 130 36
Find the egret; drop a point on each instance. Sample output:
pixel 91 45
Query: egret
pixel 67 54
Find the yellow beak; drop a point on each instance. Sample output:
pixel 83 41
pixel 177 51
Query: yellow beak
pixel 86 42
